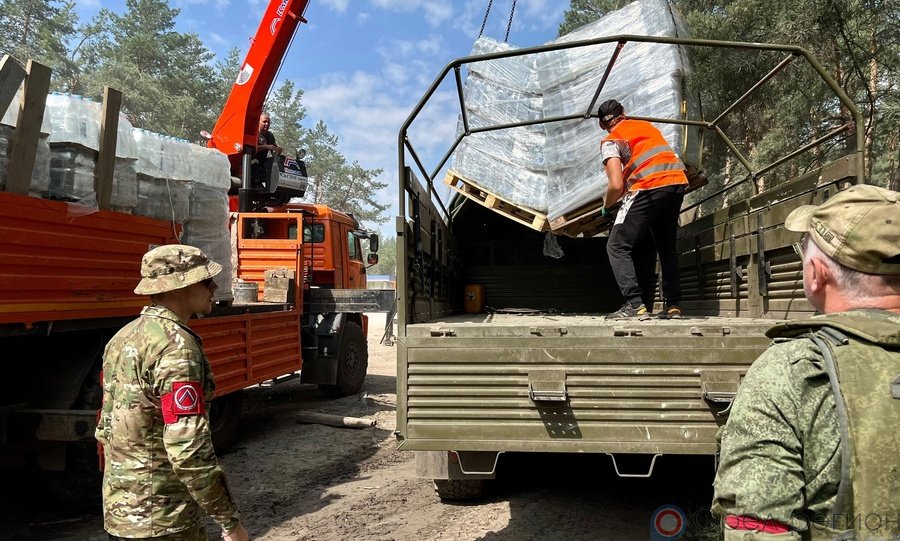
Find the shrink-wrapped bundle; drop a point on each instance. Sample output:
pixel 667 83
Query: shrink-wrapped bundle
pixel 555 168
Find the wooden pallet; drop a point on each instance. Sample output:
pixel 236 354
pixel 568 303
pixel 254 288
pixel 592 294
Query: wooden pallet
pixel 523 215
pixel 573 216
pixel 589 224
pixel 587 221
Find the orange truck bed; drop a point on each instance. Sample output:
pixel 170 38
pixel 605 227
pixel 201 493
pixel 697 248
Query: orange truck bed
pixel 62 262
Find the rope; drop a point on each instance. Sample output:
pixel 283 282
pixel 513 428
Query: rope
pixel 486 13
pixel 509 24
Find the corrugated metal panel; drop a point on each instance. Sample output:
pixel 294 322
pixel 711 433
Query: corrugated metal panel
pixel 471 394
pixel 58 264
pixel 271 340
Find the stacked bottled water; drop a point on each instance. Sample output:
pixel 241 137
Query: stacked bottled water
pixel 163 179
pixel 40 176
pixel 74 145
pixel 207 224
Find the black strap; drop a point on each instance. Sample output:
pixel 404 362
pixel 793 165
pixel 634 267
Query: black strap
pixel 825 338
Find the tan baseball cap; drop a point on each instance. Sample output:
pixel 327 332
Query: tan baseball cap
pixel 174 266
pixel 858 227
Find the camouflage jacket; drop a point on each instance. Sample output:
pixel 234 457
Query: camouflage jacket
pixel 158 476
pixel 780 449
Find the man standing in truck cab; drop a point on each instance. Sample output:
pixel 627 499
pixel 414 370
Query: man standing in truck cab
pixel 649 179
pixel 266 149
pixel 810 449
pixel 160 469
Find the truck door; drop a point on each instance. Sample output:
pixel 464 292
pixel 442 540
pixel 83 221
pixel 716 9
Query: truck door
pixel 356 268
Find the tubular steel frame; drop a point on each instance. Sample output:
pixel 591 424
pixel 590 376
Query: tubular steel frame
pixel 793 52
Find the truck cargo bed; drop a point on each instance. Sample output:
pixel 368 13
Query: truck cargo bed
pixel 471 323
pixel 573 382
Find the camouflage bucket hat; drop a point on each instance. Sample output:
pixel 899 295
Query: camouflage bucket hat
pixel 858 227
pixel 174 266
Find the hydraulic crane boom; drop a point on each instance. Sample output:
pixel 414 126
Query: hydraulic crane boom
pixel 237 128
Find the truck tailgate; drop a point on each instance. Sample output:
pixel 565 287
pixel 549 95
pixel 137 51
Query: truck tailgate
pixel 571 383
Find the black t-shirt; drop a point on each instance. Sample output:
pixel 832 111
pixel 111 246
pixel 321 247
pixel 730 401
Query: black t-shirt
pixel 267 138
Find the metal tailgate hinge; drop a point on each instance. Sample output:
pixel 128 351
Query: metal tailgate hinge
pixel 547 386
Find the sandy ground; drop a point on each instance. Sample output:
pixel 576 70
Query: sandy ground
pixel 306 482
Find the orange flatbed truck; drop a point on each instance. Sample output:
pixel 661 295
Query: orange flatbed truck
pixel 66 282
pixel 67 275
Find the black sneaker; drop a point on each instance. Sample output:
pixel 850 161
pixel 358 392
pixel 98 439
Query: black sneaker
pixel 672 311
pixel 627 311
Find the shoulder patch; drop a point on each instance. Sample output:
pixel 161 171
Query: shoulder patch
pixel 186 398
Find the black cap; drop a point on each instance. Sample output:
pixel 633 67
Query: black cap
pixel 609 110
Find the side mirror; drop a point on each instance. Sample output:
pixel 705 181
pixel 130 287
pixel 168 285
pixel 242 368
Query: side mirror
pixel 372 259
pixel 373 242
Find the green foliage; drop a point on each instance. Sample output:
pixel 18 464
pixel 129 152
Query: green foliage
pixel 287 112
pixel 582 12
pixel 387 258
pixel 345 186
pixel 858 44
pixel 38 30
pixel 165 74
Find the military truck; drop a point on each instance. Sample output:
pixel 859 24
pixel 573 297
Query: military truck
pixel 542 370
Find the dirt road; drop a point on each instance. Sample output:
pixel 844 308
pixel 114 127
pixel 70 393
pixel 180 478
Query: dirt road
pixel 308 482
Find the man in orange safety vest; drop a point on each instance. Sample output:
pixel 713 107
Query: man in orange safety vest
pixel 649 179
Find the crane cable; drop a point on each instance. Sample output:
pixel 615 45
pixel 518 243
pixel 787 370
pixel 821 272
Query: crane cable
pixel 509 24
pixel 487 12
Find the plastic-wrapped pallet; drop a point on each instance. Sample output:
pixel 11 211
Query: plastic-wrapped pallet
pixel 556 168
pixel 508 163
pixel 159 195
pixel 74 145
pixel 40 176
pixel 648 79
pixel 207 225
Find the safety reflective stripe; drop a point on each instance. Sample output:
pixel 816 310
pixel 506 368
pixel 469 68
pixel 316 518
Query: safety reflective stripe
pixel 656 169
pixel 636 161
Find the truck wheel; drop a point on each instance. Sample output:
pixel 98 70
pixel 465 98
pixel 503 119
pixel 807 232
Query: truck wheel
pixel 224 418
pixel 353 361
pixel 459 489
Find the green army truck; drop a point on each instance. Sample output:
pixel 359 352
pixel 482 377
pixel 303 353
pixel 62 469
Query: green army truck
pixel 542 370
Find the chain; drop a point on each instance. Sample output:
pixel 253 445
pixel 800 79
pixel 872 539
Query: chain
pixel 509 24
pixel 484 22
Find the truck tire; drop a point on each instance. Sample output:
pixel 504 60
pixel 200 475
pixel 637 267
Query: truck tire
pixel 353 361
pixel 459 489
pixel 224 418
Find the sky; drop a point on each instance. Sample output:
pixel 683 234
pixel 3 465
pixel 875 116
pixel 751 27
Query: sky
pixel 365 64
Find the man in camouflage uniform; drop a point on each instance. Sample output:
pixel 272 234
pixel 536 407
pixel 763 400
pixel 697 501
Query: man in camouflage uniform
pixel 161 472
pixel 780 469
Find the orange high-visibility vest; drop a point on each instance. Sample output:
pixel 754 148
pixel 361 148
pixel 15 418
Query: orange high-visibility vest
pixel 653 163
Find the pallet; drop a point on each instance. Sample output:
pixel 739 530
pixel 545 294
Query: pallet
pixel 523 215
pixel 574 215
pixel 587 221
pixel 589 224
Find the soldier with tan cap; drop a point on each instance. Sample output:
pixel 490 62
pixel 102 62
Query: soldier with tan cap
pixel 810 449
pixel 161 473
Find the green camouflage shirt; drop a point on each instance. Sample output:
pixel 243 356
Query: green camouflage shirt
pixel 158 477
pixel 780 450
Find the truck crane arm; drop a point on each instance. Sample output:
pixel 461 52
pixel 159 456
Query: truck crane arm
pixel 237 127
